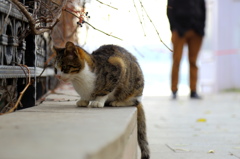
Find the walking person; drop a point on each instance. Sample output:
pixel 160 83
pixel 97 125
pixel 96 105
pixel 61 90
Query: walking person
pixel 187 23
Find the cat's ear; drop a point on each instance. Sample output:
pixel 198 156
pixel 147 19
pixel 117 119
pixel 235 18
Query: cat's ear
pixel 70 51
pixel 57 50
pixel 70 47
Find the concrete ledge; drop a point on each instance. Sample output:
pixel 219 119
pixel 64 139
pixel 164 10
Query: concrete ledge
pixel 60 130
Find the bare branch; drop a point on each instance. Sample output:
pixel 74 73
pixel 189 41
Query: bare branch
pixel 50 27
pixel 139 18
pixel 49 20
pixel 21 93
pixel 106 4
pixel 102 31
pixel 89 24
pixel 154 26
pixel 28 16
pixel 46 63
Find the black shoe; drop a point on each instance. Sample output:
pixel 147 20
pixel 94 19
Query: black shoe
pixel 174 95
pixel 194 95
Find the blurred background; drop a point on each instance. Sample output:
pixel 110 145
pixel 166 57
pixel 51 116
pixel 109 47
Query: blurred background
pixel 141 26
pixel 219 59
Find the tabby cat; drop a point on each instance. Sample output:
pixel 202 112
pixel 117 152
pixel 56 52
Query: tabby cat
pixel 109 76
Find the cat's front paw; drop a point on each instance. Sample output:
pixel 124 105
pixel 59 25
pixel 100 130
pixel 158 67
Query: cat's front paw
pixel 82 103
pixel 96 104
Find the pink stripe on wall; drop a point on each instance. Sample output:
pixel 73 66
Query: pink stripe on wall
pixel 227 52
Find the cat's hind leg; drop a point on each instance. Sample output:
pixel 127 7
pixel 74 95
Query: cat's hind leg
pixel 122 103
pixel 129 102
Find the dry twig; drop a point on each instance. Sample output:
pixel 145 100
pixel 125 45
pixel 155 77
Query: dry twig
pixel 23 91
pixel 234 155
pixel 82 21
pixel 49 20
pixel 106 4
pixel 46 63
pixel 9 96
pixel 177 149
pixel 139 17
pixel 154 26
pixel 102 31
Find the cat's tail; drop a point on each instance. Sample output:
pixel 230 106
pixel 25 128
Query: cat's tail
pixel 142 134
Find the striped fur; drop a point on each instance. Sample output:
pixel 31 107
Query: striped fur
pixel 109 76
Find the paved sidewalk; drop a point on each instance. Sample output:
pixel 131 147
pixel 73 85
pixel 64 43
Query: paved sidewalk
pixel 194 129
pixel 191 129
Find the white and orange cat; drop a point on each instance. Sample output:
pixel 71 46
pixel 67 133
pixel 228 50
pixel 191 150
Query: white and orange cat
pixel 109 76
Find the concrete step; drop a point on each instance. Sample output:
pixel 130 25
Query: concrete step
pixel 57 129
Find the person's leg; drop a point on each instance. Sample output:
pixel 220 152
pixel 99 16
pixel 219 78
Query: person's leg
pixel 178 43
pixel 194 44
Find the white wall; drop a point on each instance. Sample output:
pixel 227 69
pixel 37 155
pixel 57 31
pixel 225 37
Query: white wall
pixel 220 58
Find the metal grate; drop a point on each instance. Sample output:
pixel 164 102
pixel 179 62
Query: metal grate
pixel 18 48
